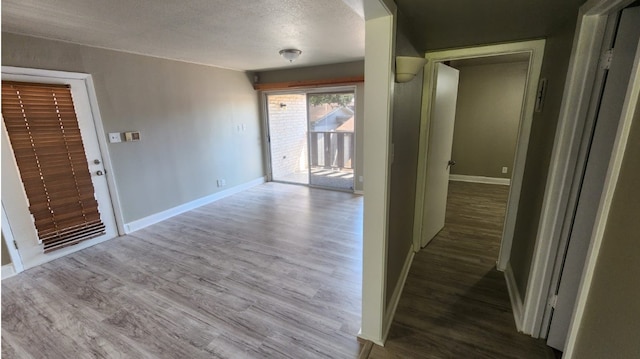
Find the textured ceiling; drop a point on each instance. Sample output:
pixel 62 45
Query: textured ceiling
pixel 247 34
pixel 242 35
pixel 440 24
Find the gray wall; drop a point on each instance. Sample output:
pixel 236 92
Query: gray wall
pixel 487 118
pixel 347 69
pixel 407 101
pixel 554 69
pixel 187 115
pixel 323 72
pixel 6 258
pixel 611 321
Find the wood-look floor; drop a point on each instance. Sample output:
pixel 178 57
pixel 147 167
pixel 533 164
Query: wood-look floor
pixel 455 303
pixel 273 272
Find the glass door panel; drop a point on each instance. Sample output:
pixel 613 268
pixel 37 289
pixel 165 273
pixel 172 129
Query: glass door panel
pixel 288 137
pixel 331 139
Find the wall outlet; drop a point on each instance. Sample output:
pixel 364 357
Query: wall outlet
pixel 505 169
pixel 222 183
pixel 114 137
pixel 361 179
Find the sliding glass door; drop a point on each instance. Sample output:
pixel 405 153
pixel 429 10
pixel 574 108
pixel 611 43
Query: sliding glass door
pixel 331 139
pixel 288 137
pixel 312 138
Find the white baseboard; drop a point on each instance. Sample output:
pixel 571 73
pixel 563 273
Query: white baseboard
pixel 514 295
pixel 358 192
pixel 161 216
pixel 374 341
pixel 397 292
pixel 8 271
pixel 480 179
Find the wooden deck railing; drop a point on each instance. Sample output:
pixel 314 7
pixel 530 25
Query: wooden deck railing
pixel 331 149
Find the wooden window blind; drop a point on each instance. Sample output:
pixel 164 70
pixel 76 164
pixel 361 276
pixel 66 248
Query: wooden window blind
pixel 44 133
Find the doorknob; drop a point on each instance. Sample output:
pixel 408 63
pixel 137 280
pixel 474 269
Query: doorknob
pixel 99 173
pixel 451 163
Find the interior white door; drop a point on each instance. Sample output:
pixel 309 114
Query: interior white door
pixel 14 199
pixel 606 127
pixel 439 150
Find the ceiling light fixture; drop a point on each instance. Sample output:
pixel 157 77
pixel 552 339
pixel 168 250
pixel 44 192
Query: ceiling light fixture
pixel 290 54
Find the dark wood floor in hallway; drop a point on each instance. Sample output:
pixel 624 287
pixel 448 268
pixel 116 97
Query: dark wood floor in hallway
pixel 272 272
pixel 455 303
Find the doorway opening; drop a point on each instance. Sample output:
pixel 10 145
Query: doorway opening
pixel 424 205
pixel 311 137
pixel 476 116
pixel 473 134
pixel 534 50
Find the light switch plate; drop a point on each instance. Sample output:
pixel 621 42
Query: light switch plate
pixel 132 136
pixel 114 137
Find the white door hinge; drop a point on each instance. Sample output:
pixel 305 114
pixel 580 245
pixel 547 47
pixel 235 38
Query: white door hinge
pixel 553 301
pixel 605 60
pixel 15 244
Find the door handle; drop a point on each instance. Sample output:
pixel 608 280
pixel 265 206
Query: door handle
pixel 99 173
pixel 451 163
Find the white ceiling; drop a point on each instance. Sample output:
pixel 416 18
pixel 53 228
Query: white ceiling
pixel 240 34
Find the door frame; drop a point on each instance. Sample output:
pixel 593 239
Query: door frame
pixel 629 110
pixel 7 234
pixel 536 50
pixel 28 73
pixel 581 81
pixel 307 90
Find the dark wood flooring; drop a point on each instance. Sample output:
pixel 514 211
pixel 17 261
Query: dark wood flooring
pixel 273 272
pixel 455 303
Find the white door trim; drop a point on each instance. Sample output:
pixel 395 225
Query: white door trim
pixel 580 81
pixel 628 113
pixel 97 119
pixel 7 233
pixel 536 49
pixel 379 54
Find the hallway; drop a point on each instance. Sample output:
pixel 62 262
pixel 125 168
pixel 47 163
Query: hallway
pixel 455 303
